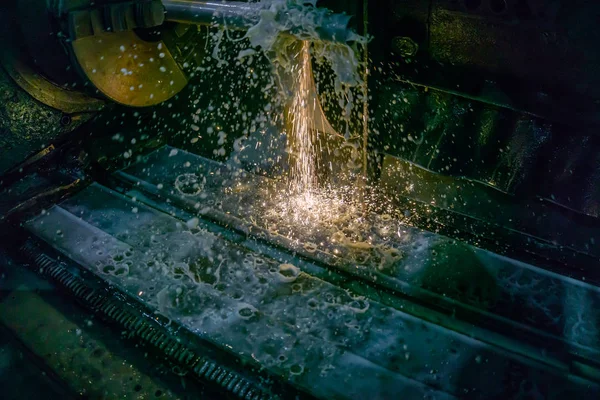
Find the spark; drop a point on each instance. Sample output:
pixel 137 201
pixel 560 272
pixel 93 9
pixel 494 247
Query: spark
pixel 302 136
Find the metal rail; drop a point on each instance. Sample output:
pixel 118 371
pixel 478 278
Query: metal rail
pixel 332 27
pixel 237 14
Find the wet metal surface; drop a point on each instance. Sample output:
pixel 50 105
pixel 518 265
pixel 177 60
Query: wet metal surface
pixel 85 357
pixel 288 316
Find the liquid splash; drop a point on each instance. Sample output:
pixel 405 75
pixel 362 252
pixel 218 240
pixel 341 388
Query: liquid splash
pixel 316 152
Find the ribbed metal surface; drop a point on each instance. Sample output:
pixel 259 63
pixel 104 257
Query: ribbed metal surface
pixel 115 310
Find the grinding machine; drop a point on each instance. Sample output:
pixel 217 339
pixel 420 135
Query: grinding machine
pixel 154 247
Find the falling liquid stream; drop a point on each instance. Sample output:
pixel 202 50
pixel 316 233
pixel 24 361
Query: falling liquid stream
pixel 302 135
pixel 306 121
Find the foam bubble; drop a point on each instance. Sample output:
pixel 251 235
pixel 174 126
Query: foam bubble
pixel 288 272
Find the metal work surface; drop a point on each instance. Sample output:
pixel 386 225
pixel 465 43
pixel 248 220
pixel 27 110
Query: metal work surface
pixel 68 353
pixel 541 228
pixel 412 314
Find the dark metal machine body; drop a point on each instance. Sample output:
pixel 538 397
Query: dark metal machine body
pixel 126 186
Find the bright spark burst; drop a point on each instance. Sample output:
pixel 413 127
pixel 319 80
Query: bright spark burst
pixel 302 137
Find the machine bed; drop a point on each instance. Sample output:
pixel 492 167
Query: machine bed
pixel 218 253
